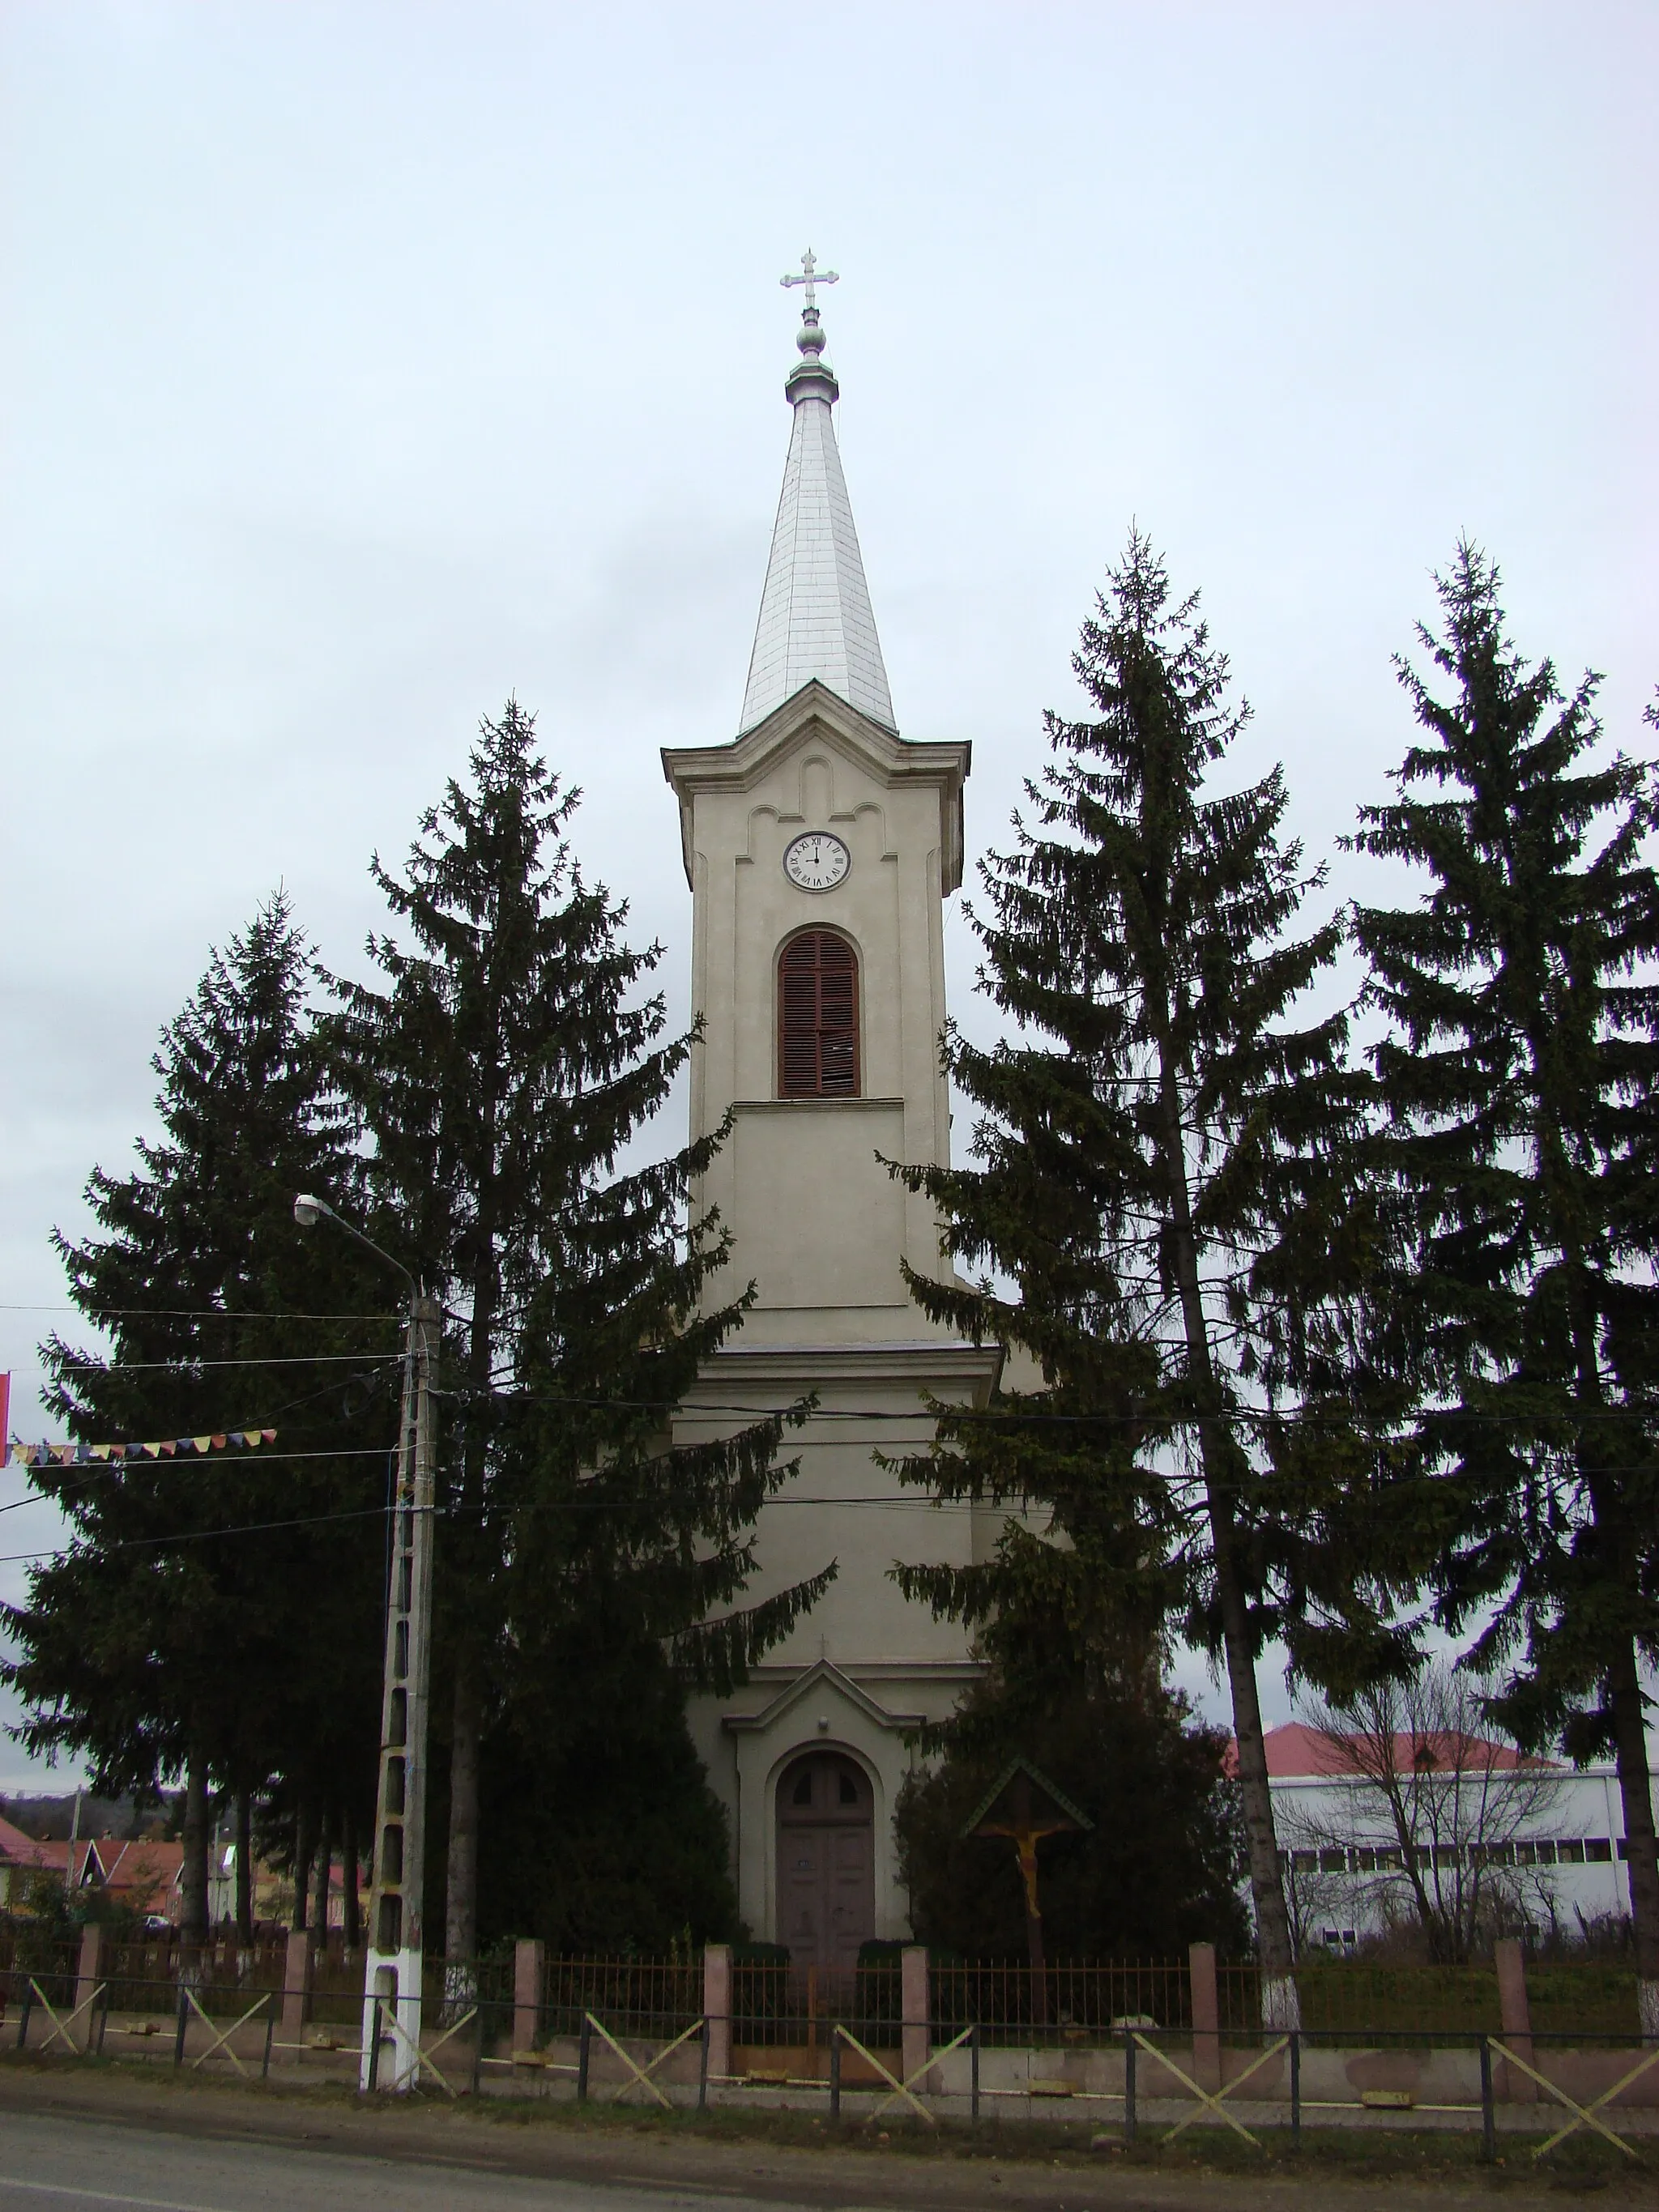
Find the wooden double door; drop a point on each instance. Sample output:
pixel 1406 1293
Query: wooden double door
pixel 826 1861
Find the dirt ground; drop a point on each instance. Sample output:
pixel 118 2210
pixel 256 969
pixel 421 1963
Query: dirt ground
pixel 793 2158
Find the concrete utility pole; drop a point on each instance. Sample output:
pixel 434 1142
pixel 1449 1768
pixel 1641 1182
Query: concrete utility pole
pixel 391 2041
pixel 392 1977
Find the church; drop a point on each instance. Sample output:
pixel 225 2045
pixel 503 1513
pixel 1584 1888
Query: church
pixel 820 846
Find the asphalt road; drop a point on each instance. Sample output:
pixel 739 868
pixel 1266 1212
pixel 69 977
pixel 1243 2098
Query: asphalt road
pixel 51 2164
pixel 135 2138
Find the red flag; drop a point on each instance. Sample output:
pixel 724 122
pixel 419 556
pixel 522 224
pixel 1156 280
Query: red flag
pixel 5 1418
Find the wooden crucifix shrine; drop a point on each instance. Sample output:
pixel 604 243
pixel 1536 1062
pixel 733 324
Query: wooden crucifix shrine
pixel 1024 1806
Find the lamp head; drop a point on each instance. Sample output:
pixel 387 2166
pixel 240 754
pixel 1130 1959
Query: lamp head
pixel 308 1210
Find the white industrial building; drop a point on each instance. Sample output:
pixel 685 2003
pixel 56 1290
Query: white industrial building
pixel 1546 1841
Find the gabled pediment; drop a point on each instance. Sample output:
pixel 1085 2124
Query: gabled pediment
pixel 825 1680
pixel 814 715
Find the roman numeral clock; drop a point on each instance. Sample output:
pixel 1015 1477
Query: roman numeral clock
pixel 816 861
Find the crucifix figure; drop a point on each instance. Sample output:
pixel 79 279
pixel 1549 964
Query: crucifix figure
pixel 1024 1806
pixel 811 275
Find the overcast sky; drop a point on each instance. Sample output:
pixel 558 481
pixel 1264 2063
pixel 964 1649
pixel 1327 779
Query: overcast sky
pixel 365 364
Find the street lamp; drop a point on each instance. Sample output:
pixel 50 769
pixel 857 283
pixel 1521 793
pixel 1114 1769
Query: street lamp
pixel 309 1211
pixel 392 1969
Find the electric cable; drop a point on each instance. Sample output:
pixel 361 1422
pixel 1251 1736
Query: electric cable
pixel 194 1313
pixel 1313 1416
pixel 451 1513
pixel 193 1366
pixel 887 1502
pixel 199 1536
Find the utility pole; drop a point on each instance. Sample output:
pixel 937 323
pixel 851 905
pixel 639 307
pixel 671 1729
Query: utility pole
pixel 392 1969
pixel 391 2040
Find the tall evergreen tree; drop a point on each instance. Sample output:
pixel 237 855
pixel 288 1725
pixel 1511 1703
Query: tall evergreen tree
pixel 1066 1685
pixel 1163 1182
pixel 500 1070
pixel 604 1835
pixel 216 1617
pixel 1521 1077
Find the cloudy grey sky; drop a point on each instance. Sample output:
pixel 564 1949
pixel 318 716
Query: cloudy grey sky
pixel 366 363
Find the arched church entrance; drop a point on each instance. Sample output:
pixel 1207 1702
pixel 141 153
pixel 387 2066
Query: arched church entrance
pixel 826 1861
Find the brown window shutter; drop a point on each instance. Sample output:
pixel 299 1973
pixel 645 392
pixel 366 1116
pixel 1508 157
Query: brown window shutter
pixel 818 1018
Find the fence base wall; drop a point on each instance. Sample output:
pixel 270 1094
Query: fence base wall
pixel 1087 2087
pixel 1329 2075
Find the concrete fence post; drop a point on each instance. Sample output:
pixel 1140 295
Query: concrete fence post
pixel 529 1961
pixel 914 2011
pixel 87 1979
pixel 1206 2016
pixel 717 2007
pixel 1515 2018
pixel 297 1966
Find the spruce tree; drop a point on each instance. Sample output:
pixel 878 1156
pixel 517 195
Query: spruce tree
pixel 605 1838
pixel 1164 1185
pixel 500 1068
pixel 1521 1077
pixel 1065 1686
pixel 217 1617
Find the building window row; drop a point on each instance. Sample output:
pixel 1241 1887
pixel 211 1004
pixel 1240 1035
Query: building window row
pixel 1365 1858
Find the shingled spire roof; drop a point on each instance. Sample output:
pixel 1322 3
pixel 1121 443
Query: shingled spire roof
pixel 815 617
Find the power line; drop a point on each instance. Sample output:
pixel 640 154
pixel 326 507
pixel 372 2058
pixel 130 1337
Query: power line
pixel 200 1535
pixel 192 1366
pixel 1312 1416
pixel 565 1506
pixel 193 1313
pixel 884 1501
pixel 1012 1417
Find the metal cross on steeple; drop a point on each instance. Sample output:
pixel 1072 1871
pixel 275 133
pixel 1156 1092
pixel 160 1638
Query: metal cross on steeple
pixel 812 277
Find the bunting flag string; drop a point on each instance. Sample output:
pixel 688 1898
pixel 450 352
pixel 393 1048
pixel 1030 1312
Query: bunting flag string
pixel 48 1454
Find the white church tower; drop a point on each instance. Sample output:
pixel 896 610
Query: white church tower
pixel 820 846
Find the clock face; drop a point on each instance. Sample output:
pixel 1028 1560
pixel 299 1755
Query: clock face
pixel 816 861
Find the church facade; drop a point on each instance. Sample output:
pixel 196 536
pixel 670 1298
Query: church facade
pixel 820 846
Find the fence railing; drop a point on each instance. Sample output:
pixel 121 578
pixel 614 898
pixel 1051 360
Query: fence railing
pixel 777 2006
pixel 1073 2001
pixel 28 1952
pixel 772 2004
pixel 657 1993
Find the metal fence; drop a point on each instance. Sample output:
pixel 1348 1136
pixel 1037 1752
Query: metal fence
pixel 1597 2000
pixel 776 2006
pixel 1541 2089
pixel 25 1956
pixel 1070 2003
pixel 1080 2002
pixel 1355 1997
pixel 641 1996
pixel 782 2022
pixel 230 2004
pixel 773 2007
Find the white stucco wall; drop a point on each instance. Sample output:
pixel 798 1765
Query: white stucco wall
pixel 1569 1826
pixel 821 1227
pixel 818 1223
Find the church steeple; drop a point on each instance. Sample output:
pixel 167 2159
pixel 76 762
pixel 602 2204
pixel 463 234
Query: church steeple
pixel 815 617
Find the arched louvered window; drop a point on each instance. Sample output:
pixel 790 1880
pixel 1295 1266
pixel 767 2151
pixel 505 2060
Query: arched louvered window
pixel 818 1018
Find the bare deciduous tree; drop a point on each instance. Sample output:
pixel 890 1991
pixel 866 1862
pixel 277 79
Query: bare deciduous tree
pixel 1428 1812
pixel 1318 1894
